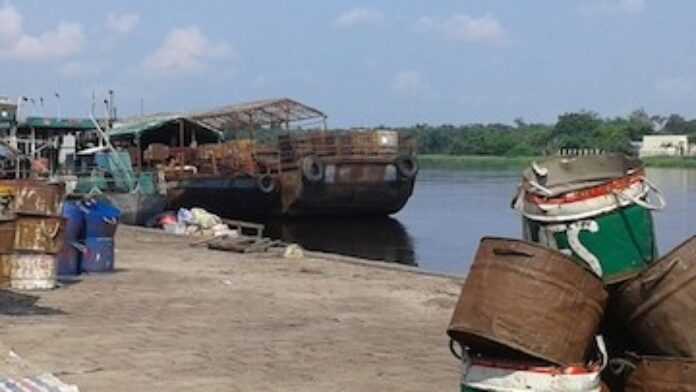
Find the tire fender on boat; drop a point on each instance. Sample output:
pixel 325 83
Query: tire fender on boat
pixel 312 169
pixel 266 183
pixel 407 166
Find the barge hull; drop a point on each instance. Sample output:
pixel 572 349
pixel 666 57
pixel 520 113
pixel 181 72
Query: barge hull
pixel 238 198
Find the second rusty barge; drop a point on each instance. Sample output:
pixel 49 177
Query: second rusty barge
pixel 255 160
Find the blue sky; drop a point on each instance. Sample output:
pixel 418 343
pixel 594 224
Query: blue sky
pixel 364 63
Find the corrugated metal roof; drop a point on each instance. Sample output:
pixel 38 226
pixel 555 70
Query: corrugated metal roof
pixel 52 123
pixel 137 126
pixel 269 112
pixel 141 125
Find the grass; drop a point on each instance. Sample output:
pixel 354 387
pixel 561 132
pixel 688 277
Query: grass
pixel 454 162
pixel 671 162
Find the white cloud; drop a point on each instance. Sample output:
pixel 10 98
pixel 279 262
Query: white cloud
pixel 122 23
pixel 79 70
pixel 185 50
pixel 65 40
pixel 359 17
pixel 614 7
pixel 410 83
pixel 464 28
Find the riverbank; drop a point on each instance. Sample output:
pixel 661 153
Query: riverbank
pixel 455 162
pixel 179 318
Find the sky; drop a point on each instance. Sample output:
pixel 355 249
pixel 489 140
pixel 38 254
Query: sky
pixel 382 62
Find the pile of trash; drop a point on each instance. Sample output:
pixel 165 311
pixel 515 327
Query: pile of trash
pixel 222 234
pixel 193 222
pixel 582 304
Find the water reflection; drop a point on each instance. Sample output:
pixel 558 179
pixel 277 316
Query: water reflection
pixel 384 239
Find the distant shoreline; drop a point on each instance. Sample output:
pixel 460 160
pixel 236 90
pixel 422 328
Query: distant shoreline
pixel 453 162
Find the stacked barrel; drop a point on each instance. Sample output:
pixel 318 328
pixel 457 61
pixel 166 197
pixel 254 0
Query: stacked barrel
pixel 536 313
pixel 31 233
pixel 527 317
pixel 658 309
pixel 101 222
pixel 89 237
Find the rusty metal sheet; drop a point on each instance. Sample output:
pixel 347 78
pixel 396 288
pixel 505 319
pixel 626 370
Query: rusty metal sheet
pixel 38 234
pixel 5 271
pixel 663 374
pixel 658 305
pixel 7 237
pixel 521 298
pixel 32 197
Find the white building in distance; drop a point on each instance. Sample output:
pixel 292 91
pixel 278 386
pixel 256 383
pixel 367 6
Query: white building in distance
pixel 666 145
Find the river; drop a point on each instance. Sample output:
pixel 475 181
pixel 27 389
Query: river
pixel 449 212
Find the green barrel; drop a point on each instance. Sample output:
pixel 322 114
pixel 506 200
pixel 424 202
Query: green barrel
pixel 621 241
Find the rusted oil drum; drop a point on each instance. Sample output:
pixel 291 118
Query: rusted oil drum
pixel 659 305
pixel 39 234
pixel 520 297
pixel 33 197
pixel 663 374
pixel 7 236
pixel 29 271
pixel 5 271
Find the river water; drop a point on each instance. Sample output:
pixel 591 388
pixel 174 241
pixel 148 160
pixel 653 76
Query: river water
pixel 450 210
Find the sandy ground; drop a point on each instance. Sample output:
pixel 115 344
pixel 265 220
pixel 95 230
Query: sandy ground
pixel 178 318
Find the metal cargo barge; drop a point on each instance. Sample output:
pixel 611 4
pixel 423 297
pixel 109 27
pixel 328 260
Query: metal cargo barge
pixel 265 162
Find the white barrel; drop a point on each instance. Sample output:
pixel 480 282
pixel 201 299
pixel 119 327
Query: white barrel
pixel 30 271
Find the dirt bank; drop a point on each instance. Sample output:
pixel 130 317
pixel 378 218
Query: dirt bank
pixel 178 318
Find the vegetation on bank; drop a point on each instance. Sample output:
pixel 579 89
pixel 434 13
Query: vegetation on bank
pixel 671 162
pixel 572 130
pixel 450 162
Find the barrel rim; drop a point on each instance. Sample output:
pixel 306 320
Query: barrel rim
pixel 570 259
pixel 456 332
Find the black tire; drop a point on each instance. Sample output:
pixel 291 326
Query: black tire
pixel 407 166
pixel 266 183
pixel 312 169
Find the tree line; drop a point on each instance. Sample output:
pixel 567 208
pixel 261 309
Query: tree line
pixel 584 129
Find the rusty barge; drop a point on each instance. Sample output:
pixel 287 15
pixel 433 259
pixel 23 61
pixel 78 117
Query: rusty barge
pixel 269 158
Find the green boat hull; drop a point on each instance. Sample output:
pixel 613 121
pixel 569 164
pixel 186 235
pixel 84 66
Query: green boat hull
pixel 623 241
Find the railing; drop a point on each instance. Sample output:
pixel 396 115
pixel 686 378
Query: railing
pixel 247 157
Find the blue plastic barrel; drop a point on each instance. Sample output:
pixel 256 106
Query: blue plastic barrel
pixel 101 219
pixel 98 255
pixel 69 259
pixel 74 221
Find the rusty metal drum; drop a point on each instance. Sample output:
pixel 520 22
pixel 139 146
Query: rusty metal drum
pixel 7 236
pixel 39 234
pixel 658 305
pixel 662 374
pixel 33 197
pixel 524 299
pixel 29 271
pixel 5 271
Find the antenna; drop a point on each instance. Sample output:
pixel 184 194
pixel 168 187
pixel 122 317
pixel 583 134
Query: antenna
pixel 94 103
pixel 59 113
pixel 112 105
